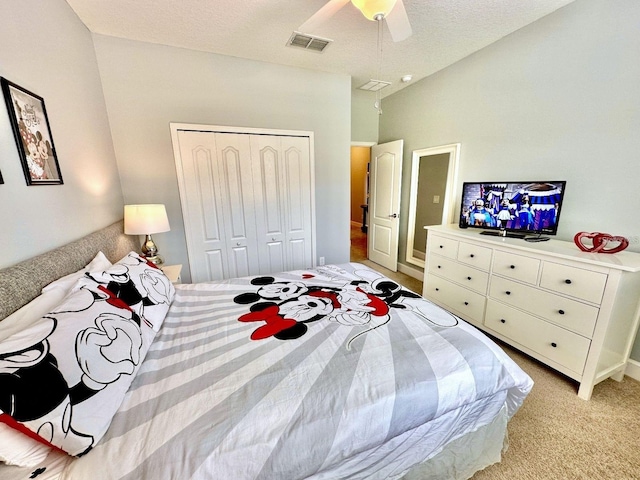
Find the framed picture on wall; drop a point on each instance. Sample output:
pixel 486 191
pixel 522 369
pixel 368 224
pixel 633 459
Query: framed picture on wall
pixel 30 124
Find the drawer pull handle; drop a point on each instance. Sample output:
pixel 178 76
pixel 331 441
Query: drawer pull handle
pixel 472 255
pixel 554 344
pixel 502 320
pixel 468 278
pixel 567 281
pixel 437 289
pixel 561 312
pixel 508 292
pixel 512 267
pixel 439 266
pixel 441 246
pixel 466 303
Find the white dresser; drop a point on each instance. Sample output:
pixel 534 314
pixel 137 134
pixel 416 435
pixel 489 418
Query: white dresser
pixel 577 312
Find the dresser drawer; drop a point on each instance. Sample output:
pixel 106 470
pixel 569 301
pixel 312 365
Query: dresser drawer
pixel 468 304
pixel 577 282
pixel 471 254
pixel 443 246
pixel 555 343
pixel 571 314
pixel 469 277
pixel 524 269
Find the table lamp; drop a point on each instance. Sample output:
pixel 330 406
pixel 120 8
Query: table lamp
pixel 146 220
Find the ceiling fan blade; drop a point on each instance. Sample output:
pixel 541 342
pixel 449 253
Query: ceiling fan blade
pixel 322 15
pixel 398 23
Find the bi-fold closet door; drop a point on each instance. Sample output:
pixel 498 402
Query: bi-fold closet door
pixel 247 202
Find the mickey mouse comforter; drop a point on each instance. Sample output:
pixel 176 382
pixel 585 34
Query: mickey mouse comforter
pixel 334 372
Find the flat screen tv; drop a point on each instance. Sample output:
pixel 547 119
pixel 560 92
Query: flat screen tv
pixel 513 209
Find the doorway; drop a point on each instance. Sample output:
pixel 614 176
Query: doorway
pixel 360 158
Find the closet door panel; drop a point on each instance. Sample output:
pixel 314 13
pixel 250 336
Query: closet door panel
pixel 299 254
pixel 203 213
pixel 297 181
pixel 269 203
pixel 237 201
pixel 215 264
pixel 235 196
pixel 270 186
pixel 240 263
pixel 275 258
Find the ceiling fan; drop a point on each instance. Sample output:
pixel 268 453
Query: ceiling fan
pixel 391 11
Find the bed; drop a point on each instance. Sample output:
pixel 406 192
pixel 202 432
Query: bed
pixel 326 373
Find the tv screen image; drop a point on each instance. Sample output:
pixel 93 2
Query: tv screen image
pixel 523 208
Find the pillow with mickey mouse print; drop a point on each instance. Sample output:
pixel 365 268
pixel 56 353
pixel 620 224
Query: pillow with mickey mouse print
pixel 64 377
pixel 138 283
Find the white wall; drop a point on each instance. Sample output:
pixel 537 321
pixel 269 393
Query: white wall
pixel 47 50
pixel 557 100
pixel 147 86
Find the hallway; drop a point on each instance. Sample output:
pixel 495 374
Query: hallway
pixel 359 254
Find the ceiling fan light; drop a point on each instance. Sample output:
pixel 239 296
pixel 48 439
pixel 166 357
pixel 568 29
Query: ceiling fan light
pixel 373 8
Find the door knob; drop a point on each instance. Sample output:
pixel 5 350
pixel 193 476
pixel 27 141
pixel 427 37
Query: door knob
pixel 394 215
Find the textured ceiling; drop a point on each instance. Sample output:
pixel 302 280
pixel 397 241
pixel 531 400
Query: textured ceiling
pixel 444 31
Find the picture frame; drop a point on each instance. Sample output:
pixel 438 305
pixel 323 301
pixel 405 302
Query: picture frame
pixel 32 133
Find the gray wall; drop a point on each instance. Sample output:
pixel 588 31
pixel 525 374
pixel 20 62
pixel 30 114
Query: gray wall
pixel 558 100
pixel 364 117
pixel 47 50
pixel 147 86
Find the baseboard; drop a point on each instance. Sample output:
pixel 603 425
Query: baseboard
pixel 356 224
pixel 412 272
pixel 633 369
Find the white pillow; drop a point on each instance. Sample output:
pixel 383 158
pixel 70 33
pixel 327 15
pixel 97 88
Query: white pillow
pixel 19 450
pixel 99 262
pixel 31 312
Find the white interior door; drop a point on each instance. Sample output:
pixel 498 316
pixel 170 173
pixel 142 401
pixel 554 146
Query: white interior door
pixel 384 203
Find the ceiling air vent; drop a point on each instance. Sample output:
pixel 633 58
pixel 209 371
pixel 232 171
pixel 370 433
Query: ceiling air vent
pixel 308 42
pixel 374 85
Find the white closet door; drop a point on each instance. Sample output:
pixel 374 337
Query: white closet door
pixel 234 156
pixel 297 178
pixel 217 204
pixel 283 194
pixel 247 199
pixel 204 232
pixel 270 208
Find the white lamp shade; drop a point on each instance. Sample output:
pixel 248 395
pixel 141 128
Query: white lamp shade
pixel 145 219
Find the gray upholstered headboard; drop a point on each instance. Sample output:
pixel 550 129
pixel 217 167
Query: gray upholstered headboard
pixel 23 282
